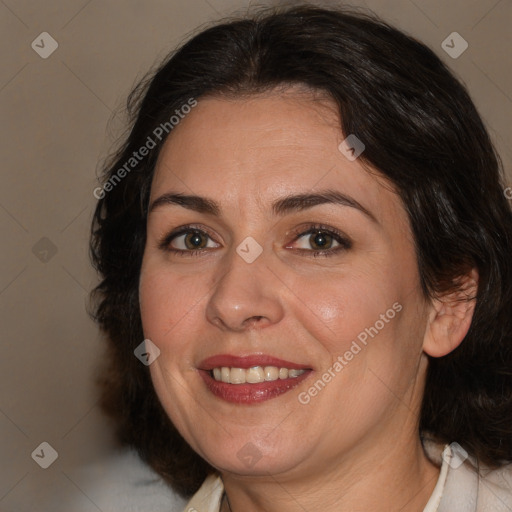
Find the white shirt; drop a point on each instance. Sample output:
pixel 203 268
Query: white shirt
pixel 459 487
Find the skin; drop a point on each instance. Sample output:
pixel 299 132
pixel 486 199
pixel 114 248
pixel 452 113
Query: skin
pixel 355 445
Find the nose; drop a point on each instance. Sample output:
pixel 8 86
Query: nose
pixel 246 296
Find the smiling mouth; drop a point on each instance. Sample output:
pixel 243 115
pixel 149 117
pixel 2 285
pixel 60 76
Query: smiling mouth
pixel 253 375
pixel 251 393
pixel 250 379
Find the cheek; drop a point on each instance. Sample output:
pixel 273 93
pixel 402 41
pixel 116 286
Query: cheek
pixel 168 304
pixel 339 308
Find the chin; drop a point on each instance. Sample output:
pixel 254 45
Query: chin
pixel 247 458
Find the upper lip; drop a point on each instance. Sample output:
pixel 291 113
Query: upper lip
pixel 248 361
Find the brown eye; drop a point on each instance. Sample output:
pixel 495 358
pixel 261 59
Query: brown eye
pixel 317 240
pixel 187 241
pixel 321 240
pixel 195 240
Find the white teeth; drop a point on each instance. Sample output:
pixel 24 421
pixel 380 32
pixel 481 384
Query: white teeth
pixel 253 375
pixel 271 372
pixel 237 376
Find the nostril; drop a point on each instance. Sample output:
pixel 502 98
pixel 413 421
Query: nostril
pixel 254 319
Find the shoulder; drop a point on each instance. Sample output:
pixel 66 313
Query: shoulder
pixel 470 486
pixel 119 481
pixel 495 489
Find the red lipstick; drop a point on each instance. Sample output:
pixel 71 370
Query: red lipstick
pixel 250 393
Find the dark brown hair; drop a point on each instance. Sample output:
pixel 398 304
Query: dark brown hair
pixel 421 131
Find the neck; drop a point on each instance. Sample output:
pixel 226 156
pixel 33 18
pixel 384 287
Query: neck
pixel 399 478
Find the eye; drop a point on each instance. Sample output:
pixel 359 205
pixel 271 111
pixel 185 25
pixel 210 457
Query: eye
pixel 187 241
pixel 318 240
pixel 192 239
pixel 321 241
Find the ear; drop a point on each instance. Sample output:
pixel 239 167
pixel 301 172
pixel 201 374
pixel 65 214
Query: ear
pixel 450 317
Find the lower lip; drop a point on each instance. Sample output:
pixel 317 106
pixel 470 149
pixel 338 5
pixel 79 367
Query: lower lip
pixel 251 393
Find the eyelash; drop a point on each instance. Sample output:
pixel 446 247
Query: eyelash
pixel 343 241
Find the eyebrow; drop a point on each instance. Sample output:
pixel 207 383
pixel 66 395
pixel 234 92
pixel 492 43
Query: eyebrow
pixel 281 207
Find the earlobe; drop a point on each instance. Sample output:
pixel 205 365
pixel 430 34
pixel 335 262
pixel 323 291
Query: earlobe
pixel 450 317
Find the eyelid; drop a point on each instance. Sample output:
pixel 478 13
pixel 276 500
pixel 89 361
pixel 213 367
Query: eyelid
pixel 165 241
pixel 309 229
pixel 303 230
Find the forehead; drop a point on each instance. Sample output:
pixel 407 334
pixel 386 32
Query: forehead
pixel 256 149
pixel 287 120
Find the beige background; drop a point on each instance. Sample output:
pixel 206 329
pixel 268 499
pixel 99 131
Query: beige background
pixel 58 122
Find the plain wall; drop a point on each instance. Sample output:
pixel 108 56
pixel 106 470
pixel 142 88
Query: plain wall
pixel 60 117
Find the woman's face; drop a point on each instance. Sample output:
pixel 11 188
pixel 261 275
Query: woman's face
pixel 285 254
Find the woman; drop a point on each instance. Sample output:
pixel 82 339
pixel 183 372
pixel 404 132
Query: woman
pixel 306 242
